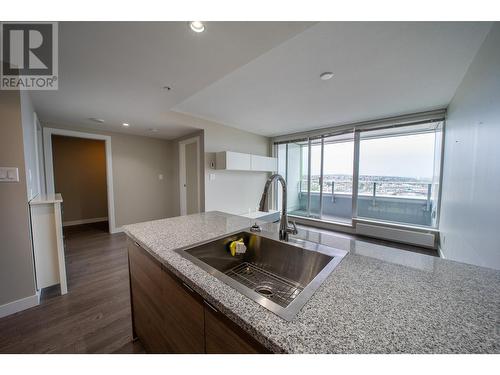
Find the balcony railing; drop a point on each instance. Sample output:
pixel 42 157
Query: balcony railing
pixel 403 202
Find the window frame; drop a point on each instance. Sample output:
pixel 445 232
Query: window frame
pixel 433 117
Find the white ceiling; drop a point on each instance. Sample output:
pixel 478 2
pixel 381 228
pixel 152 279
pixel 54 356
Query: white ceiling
pixel 262 77
pixel 381 69
pixel 116 70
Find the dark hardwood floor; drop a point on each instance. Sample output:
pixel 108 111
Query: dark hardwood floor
pixel 94 317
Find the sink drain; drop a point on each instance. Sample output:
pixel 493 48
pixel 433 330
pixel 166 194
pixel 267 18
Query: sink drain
pixel 265 290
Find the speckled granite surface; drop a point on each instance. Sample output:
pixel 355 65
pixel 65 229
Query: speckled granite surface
pixel 378 300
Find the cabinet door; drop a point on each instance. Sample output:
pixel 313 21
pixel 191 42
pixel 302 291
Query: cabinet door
pixel 183 310
pixel 222 336
pixel 263 163
pixel 167 317
pixel 146 296
pixel 235 161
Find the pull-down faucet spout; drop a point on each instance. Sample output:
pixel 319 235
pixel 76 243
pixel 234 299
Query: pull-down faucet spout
pixel 285 227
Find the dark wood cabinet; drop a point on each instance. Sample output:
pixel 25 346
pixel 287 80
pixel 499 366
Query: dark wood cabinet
pixel 184 320
pixel 167 316
pixel 222 336
pixel 146 295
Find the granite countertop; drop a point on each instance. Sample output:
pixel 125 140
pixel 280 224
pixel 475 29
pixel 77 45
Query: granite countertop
pixel 378 300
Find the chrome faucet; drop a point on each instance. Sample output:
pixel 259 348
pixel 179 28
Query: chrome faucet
pixel 285 228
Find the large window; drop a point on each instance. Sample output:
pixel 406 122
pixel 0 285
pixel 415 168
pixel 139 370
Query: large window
pixel 390 174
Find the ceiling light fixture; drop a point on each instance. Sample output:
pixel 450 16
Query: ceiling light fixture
pixel 326 76
pixel 126 124
pixel 197 26
pixel 154 130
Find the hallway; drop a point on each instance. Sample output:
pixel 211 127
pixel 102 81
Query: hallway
pixel 94 317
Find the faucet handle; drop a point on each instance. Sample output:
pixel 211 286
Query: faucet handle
pixel 294 228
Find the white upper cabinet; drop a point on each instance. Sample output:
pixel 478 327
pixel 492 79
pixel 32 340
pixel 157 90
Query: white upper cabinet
pixel 263 163
pixel 234 161
pixel 237 161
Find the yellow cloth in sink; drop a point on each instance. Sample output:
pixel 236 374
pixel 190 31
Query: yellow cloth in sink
pixel 233 246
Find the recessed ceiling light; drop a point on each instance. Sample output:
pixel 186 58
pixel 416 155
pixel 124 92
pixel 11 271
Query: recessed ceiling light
pixel 197 26
pixel 326 76
pixel 154 130
pixel 98 120
pixel 126 124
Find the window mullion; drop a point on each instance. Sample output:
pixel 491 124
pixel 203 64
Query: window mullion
pixel 355 175
pixel 321 178
pixel 309 177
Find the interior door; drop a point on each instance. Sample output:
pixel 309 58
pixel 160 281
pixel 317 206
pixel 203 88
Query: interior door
pixel 190 176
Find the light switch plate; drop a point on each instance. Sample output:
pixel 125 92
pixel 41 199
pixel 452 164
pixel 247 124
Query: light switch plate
pixel 9 174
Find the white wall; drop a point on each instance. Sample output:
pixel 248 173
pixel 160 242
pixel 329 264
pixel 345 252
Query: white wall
pixel 231 191
pixel 470 208
pixel 235 192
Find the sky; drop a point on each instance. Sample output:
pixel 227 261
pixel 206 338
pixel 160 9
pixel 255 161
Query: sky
pixel 403 156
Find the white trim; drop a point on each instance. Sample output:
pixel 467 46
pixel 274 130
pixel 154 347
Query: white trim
pixel 19 305
pixel 49 167
pixel 36 125
pixel 84 221
pixel 364 125
pixel 60 248
pixel 182 172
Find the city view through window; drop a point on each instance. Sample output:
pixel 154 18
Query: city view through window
pixel 400 166
pixel 398 177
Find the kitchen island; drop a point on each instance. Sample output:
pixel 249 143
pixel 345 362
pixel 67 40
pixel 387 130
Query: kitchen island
pixel 378 300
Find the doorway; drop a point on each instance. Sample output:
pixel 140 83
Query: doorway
pixel 97 169
pixel 189 175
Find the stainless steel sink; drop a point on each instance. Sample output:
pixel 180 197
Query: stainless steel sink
pixel 281 276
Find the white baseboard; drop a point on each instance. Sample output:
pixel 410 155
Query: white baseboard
pixel 19 305
pixel 84 221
